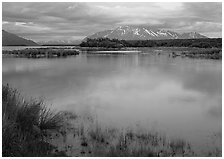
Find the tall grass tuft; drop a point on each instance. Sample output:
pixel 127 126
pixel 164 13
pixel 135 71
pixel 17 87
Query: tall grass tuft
pixel 24 125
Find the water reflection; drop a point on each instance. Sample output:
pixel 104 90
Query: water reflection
pixel 181 97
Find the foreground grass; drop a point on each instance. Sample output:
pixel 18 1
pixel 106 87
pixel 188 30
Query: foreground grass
pixel 92 139
pixel 25 125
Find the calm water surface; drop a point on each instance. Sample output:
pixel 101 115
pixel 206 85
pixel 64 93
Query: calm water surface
pixel 178 96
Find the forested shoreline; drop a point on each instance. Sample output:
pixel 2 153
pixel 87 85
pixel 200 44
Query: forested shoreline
pixel 115 43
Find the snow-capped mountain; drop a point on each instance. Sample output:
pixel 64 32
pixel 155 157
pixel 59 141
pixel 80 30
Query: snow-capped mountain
pixel 143 33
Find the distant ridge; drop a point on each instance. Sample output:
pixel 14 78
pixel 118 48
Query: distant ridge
pixel 9 39
pixel 60 42
pixel 143 33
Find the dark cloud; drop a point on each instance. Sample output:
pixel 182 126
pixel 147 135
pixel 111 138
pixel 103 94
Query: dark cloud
pixel 42 21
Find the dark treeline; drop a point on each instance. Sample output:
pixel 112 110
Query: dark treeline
pixel 115 43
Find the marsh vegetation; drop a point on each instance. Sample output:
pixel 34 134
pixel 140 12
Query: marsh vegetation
pixel 213 53
pixel 41 52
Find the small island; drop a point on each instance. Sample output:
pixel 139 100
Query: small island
pixel 41 52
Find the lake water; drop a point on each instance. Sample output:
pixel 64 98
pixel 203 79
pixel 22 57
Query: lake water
pixel 178 96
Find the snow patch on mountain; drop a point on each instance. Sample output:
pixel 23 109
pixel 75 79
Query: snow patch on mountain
pixel 143 33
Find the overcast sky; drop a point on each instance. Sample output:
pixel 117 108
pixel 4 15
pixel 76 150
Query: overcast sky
pixel 48 21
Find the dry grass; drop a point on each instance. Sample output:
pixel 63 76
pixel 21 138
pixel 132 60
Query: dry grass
pixel 25 123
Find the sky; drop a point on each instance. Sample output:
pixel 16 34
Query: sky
pixel 46 21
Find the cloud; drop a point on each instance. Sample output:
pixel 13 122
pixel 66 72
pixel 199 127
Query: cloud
pixel 205 11
pixel 47 21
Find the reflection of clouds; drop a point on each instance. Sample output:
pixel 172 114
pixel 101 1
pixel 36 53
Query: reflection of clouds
pixel 188 98
pixel 215 111
pixel 203 76
pixel 205 82
pixel 22 66
pixel 137 93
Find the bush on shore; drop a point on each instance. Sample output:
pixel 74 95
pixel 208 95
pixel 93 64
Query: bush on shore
pixel 25 125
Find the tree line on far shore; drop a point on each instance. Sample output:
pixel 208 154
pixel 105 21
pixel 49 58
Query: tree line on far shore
pixel 115 43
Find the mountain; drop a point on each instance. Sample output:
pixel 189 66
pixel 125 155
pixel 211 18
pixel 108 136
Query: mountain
pixel 192 35
pixel 9 39
pixel 143 33
pixel 60 42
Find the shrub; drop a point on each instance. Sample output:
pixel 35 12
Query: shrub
pixel 24 125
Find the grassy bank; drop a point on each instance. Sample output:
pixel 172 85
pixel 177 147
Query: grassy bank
pixel 29 128
pixel 25 125
pixel 41 52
